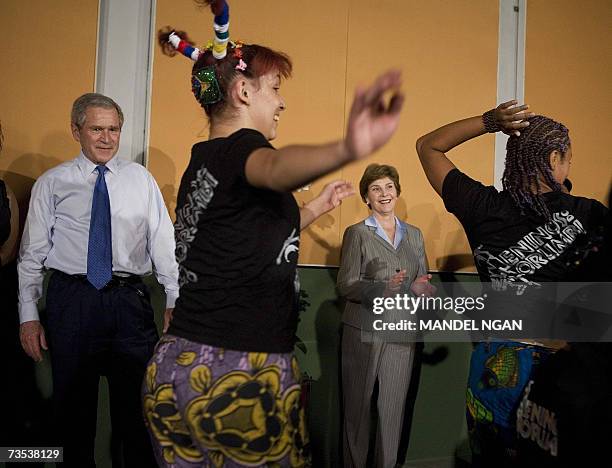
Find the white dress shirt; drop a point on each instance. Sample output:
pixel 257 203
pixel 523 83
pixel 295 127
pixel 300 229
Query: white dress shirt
pixel 56 232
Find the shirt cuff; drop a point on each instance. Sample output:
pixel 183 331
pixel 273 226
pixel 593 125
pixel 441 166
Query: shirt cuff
pixel 171 297
pixel 28 311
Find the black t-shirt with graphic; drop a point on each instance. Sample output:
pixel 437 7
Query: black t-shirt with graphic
pixel 237 248
pixel 520 249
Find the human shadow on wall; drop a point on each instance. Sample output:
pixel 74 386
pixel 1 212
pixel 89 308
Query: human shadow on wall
pixel 164 170
pixel 448 267
pixel 25 168
pixel 455 262
pixel 432 233
pixel 324 401
pixel 27 416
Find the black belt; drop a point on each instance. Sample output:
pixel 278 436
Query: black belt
pixel 115 281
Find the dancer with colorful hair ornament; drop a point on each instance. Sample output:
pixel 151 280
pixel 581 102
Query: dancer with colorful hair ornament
pixel 498 224
pixel 223 387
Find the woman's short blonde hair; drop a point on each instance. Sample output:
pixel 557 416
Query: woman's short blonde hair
pixel 378 171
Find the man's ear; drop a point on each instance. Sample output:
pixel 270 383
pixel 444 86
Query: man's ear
pixel 75 132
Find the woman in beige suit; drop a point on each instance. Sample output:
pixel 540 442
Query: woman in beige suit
pixel 383 254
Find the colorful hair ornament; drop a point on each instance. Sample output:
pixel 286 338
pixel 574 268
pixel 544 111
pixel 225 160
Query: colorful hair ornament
pixel 205 86
pixel 241 65
pixel 221 27
pixel 183 46
pixel 220 9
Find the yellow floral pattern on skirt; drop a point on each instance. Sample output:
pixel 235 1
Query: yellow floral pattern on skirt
pixel 244 416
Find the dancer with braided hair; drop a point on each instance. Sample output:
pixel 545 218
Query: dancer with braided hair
pixel 223 387
pixel 499 226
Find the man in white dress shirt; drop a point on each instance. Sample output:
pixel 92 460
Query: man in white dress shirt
pixel 99 223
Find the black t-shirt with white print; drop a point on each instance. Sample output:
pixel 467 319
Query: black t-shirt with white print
pixel 514 249
pixel 237 248
pixel 571 389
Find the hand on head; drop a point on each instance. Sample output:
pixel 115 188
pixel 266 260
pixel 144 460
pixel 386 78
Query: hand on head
pixel 373 119
pixel 510 117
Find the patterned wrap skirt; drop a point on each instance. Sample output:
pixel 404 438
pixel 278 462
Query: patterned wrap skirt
pixel 211 407
pixel 499 372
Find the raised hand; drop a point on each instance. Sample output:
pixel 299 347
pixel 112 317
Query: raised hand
pixel 372 121
pixel 511 118
pixel 332 195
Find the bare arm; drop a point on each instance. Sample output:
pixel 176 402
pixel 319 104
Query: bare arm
pixel 372 121
pixel 432 148
pixel 330 197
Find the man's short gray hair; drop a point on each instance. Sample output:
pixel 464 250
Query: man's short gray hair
pixel 82 103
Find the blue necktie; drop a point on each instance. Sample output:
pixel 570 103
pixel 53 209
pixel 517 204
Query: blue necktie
pixel 100 248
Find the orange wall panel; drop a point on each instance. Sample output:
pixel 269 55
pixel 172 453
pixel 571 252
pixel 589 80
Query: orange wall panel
pixel 568 74
pixel 447 52
pixel 48 60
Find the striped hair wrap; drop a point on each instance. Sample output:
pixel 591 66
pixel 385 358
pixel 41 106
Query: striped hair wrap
pixel 220 9
pixel 184 47
pixel 221 27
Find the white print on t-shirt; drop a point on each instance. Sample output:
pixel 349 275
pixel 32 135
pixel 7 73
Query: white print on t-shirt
pixel 535 250
pixel 296 286
pixel 536 423
pixel 290 245
pixel 186 226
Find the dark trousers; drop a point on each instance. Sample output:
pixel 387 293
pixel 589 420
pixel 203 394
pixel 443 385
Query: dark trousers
pixel 110 332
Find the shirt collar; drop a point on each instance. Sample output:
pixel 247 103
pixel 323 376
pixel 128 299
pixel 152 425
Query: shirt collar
pixel 86 166
pixel 400 230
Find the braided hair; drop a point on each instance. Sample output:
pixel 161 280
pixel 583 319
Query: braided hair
pixel 528 164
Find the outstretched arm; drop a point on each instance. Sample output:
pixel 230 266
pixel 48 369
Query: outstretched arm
pixel 330 197
pixel 372 121
pixel 432 148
